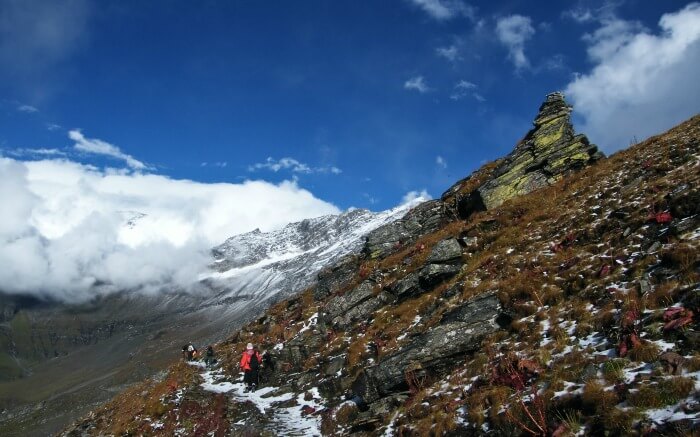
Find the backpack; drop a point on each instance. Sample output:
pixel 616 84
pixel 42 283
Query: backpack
pixel 254 363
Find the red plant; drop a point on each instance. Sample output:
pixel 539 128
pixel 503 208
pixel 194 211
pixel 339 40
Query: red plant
pixel 677 317
pixel 534 412
pixel 629 341
pixel 605 271
pixel 663 217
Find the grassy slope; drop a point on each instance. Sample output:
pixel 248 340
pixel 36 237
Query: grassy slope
pixel 567 262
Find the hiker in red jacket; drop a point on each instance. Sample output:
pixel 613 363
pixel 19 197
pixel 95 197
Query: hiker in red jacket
pixel 250 364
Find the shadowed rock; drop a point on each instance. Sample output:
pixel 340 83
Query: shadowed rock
pixel 436 350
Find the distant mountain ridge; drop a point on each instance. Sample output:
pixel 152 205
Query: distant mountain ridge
pixel 264 265
pixel 110 343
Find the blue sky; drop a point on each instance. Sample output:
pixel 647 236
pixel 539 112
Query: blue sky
pixel 367 101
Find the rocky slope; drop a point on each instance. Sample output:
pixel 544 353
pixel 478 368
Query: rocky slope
pixel 564 304
pixel 57 361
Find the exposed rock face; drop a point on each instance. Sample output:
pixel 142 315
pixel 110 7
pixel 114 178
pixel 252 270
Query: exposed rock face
pixel 548 152
pixel 446 251
pixel 421 220
pixel 331 279
pixel 437 349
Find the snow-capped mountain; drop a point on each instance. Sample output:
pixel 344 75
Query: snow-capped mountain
pixel 260 266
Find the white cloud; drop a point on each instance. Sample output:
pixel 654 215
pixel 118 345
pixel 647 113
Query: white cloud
pixel 450 53
pixel 29 109
pixel 416 83
pixel 513 31
pixel 43 152
pixel 293 165
pixel 65 229
pixel 462 89
pixel 439 160
pixel 99 147
pixel 445 9
pixel 415 197
pixel 53 126
pixel 641 83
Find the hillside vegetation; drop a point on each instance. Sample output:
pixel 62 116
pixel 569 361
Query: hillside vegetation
pixel 553 292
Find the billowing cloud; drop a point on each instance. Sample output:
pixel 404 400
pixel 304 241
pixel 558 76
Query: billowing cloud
pixel 416 83
pixel 71 231
pixel 293 165
pixel 99 147
pixel 415 196
pixel 513 31
pixel 445 9
pixel 642 82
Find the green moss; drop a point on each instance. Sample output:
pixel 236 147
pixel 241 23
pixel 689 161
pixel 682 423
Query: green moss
pixel 547 136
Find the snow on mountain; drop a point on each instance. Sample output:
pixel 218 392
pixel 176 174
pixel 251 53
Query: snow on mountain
pixel 262 265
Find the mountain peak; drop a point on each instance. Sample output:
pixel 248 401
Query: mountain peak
pixel 548 152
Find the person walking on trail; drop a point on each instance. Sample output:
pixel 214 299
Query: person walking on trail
pixel 250 364
pixel 189 352
pixel 209 358
pixel 268 367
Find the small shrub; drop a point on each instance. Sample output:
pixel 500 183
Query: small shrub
pixel 618 421
pixel 613 370
pixel 667 392
pixel 645 352
pixel 595 398
pixel 693 363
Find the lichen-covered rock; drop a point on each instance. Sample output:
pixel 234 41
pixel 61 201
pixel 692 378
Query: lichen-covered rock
pixel 436 350
pixel 421 220
pixel 548 152
pixel 446 251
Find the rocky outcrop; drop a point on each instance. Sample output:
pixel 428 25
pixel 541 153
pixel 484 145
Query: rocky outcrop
pixel 436 350
pixel 548 152
pixel 421 220
pixel 446 251
pixel 332 278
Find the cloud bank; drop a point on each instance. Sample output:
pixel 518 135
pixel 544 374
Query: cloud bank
pixel 71 231
pixel 641 82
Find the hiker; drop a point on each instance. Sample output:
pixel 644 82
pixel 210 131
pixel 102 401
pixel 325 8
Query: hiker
pixel 191 352
pixel 209 359
pixel 184 352
pixel 250 364
pixel 268 367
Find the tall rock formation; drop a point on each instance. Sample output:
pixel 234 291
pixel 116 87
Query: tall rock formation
pixel 550 150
